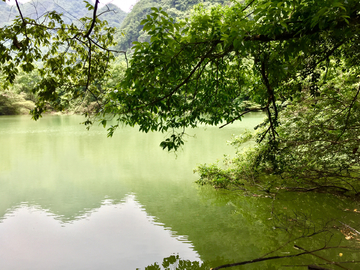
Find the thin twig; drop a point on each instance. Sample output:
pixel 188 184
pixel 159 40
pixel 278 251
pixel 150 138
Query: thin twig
pixel 348 114
pixel 236 118
pixel 320 257
pixel 350 228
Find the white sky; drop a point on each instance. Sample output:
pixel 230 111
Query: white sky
pixel 125 5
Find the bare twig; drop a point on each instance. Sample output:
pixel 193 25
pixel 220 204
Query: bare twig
pixel 106 11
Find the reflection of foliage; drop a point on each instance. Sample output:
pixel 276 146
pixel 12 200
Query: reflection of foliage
pixel 330 252
pixel 319 245
pixel 308 220
pixel 295 247
pixel 174 262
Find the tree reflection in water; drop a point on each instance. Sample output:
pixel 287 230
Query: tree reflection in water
pixel 174 262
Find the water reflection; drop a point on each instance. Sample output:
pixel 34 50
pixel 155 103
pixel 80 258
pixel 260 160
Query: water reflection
pixel 114 236
pixel 75 184
pixel 97 203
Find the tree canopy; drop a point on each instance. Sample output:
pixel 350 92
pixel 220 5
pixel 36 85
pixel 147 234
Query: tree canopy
pixel 298 60
pixel 201 70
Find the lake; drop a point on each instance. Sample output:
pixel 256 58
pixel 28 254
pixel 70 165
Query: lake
pixel 75 199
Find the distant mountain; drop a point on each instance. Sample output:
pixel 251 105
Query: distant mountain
pixel 71 10
pixel 175 8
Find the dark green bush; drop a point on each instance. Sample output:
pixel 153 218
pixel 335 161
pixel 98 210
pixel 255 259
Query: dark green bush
pixel 6 106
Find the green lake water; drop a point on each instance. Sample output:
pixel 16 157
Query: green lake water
pixel 75 199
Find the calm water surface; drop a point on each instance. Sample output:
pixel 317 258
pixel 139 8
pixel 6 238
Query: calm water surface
pixel 75 199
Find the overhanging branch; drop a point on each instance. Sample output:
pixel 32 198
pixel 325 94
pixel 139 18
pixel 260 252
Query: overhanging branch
pixel 242 114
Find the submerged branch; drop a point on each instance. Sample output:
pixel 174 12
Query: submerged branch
pixel 282 257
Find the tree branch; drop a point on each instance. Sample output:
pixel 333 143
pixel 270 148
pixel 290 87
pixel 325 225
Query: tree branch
pixel 271 99
pixel 278 257
pixel 21 15
pixel 245 8
pixel 320 257
pixel 185 80
pixel 94 19
pixel 348 114
pixel 236 118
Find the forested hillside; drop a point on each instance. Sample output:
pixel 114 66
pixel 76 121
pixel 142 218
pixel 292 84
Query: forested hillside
pixel 132 29
pixel 72 10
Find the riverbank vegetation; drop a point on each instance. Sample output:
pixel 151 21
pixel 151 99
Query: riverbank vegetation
pixel 316 147
pixel 297 60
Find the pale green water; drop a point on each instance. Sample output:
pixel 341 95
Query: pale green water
pixel 74 199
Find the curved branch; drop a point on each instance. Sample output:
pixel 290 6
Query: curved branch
pixel 185 80
pixel 278 257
